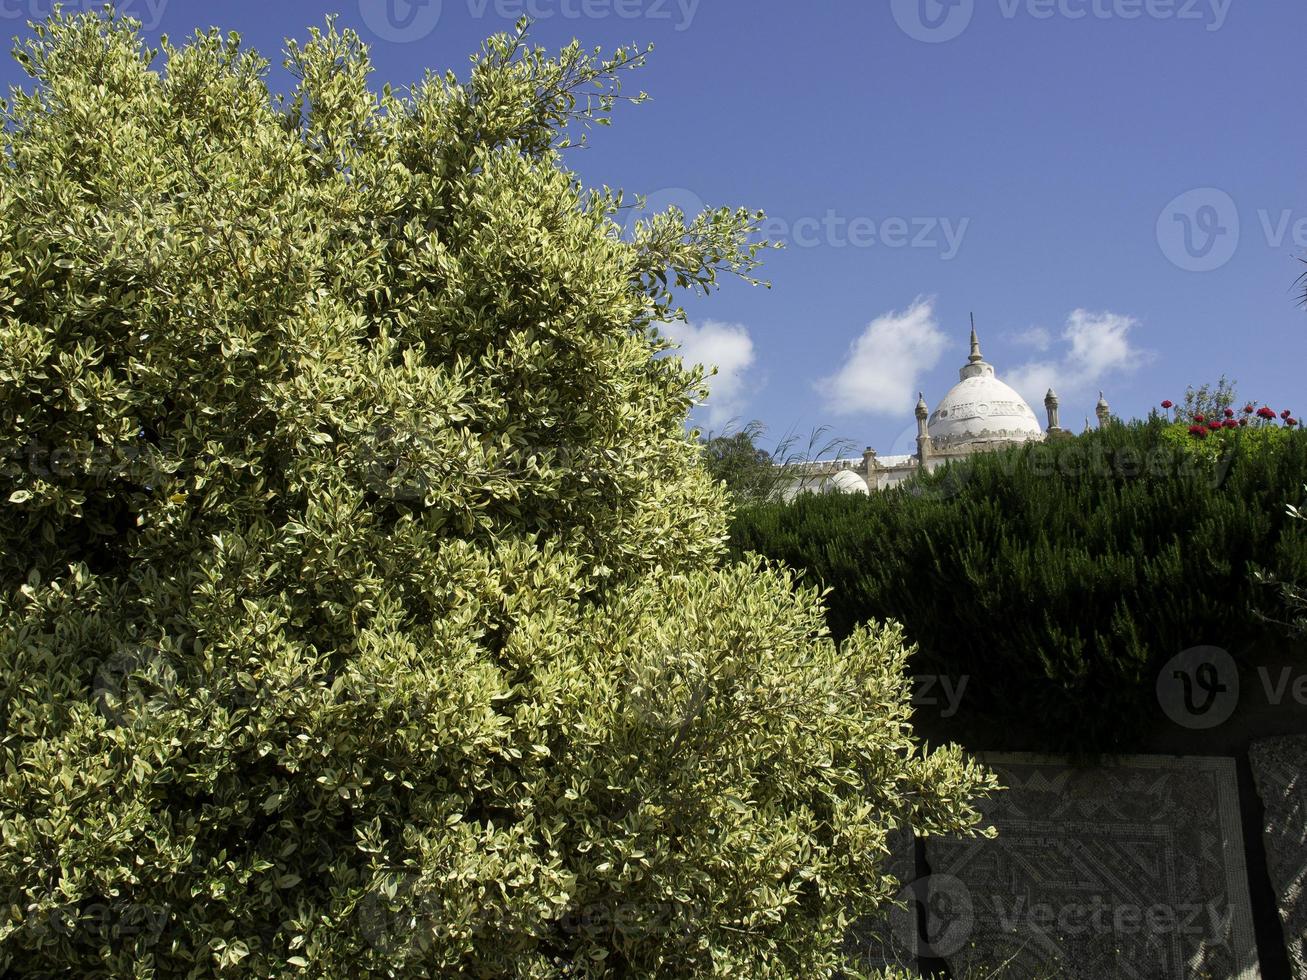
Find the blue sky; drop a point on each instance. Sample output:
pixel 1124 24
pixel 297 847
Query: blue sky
pixel 1114 187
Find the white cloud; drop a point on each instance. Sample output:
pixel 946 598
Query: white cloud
pixel 884 366
pixel 1036 337
pixel 1099 342
pixel 1096 346
pixel 724 346
pixel 1033 379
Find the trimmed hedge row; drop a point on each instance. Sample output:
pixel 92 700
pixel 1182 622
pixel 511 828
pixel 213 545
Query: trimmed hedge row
pixel 1058 578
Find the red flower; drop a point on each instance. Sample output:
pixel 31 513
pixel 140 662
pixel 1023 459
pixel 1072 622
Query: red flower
pixel 1248 409
pixel 1231 424
pixel 1168 404
pixel 1286 414
pixel 1291 422
pixel 1229 413
pixel 1214 426
pixel 1243 421
pixel 1198 432
pixel 1265 413
pixel 1200 418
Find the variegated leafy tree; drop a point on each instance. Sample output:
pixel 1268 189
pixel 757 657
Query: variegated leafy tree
pixel 363 608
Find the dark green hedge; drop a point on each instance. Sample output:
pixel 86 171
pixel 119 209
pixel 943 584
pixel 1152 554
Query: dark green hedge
pixel 1058 578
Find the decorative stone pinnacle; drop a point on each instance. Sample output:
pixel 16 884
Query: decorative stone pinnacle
pixel 975 357
pixel 975 366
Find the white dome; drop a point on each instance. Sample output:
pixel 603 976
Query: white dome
pixel 981 409
pixel 846 481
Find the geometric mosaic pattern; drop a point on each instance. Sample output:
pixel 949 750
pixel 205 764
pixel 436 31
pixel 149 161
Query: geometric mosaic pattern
pixel 1132 868
pixel 1278 769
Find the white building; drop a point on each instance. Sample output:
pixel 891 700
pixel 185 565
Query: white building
pixel 979 414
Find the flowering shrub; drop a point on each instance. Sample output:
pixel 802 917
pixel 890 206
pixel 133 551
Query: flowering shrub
pixel 1202 404
pixel 1200 426
pixel 1223 441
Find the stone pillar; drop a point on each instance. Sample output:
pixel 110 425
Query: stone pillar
pixel 923 435
pixel 871 468
pixel 1051 404
pixel 1103 412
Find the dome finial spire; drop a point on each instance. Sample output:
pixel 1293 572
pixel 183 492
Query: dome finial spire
pixel 975 366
